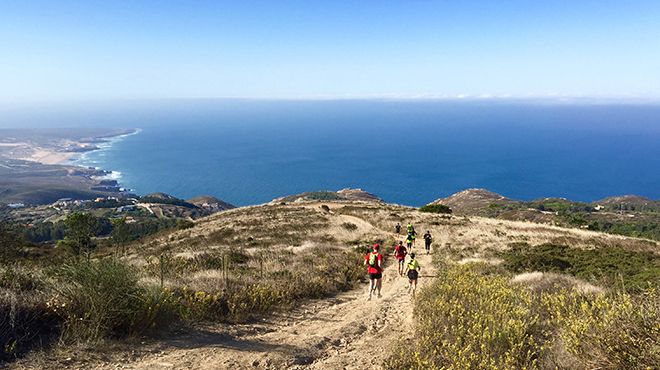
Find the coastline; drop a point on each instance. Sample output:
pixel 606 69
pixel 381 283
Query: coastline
pixel 101 144
pixel 41 166
pixel 109 174
pixel 106 142
pixel 62 151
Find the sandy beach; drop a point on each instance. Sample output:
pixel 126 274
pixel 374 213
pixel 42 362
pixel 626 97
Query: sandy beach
pixel 33 153
pixel 53 147
pixel 45 156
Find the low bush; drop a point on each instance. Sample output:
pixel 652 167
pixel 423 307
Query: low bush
pixel 101 299
pixel 471 321
pixel 473 318
pixel 26 323
pixel 25 320
pixel 640 228
pixel 436 208
pixel 96 299
pixel 606 265
pixel 605 331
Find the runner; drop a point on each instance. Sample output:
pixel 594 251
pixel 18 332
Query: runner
pixel 411 229
pixel 409 242
pixel 411 233
pixel 427 241
pixel 374 260
pixel 397 228
pixel 412 270
pixel 400 252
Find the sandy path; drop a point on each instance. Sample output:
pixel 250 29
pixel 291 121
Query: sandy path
pixel 344 332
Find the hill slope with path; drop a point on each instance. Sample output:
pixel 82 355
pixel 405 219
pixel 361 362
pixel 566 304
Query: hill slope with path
pixel 344 331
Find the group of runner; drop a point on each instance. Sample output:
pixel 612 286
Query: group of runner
pixel 412 235
pixel 374 261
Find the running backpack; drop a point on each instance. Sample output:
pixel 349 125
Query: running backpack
pixel 373 259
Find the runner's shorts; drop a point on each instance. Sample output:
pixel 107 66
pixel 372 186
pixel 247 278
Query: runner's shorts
pixel 413 274
pixel 375 276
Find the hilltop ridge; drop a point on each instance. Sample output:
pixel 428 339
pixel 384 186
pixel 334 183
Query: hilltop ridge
pixel 630 215
pixel 347 194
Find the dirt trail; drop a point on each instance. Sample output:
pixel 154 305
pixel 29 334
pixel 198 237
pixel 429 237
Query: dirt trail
pixel 344 332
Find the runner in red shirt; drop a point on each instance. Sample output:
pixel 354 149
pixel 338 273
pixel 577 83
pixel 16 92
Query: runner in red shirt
pixel 400 252
pixel 374 261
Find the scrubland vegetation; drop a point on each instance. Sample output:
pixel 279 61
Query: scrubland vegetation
pixel 435 208
pixel 474 317
pixel 507 295
pixel 480 315
pixel 229 275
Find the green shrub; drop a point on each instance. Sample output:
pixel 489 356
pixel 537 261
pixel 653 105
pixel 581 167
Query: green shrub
pixel 184 224
pixel 436 208
pixel 171 201
pixel 96 299
pixel 606 265
pixel 11 243
pixel 322 195
pixel 641 228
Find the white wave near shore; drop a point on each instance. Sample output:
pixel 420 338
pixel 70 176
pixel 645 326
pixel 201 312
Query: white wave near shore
pixel 87 159
pixel 92 158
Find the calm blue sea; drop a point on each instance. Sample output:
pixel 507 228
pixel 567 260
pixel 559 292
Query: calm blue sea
pixel 248 152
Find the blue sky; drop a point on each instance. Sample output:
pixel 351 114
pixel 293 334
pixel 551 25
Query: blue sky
pixel 79 50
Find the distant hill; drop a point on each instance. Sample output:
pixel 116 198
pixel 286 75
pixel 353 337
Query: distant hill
pixel 478 202
pixel 164 205
pixel 211 203
pixel 629 215
pixel 347 194
pixel 629 202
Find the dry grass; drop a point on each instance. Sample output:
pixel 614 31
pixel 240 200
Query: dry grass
pixel 252 260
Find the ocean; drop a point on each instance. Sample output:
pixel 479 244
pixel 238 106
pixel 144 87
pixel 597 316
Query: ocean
pixel 406 152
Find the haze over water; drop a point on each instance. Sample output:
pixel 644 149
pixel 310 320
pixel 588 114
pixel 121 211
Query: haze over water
pixel 249 152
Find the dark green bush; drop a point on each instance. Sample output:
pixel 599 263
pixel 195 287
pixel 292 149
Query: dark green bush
pixel 606 265
pixel 184 224
pixel 436 208
pixel 323 195
pixel 171 201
